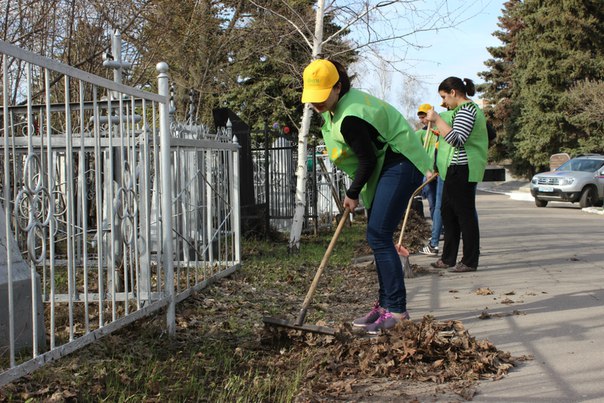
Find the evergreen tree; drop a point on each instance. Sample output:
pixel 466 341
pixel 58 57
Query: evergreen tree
pixel 194 38
pixel 560 43
pixel 265 70
pixel 497 90
pixel 232 54
pixel 584 106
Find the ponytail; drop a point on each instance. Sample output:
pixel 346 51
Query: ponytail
pixel 465 87
pixel 470 88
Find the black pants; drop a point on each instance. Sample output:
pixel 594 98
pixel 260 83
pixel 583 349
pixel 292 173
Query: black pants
pixel 459 217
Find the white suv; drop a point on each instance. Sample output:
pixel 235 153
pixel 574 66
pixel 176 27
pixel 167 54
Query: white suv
pixel 580 179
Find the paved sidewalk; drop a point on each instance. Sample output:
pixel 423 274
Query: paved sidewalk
pixel 516 185
pixel 545 269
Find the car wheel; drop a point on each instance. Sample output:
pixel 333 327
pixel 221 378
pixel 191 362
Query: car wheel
pixel 540 203
pixel 588 197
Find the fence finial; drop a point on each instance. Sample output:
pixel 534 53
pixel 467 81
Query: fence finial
pixel 162 67
pixel 229 128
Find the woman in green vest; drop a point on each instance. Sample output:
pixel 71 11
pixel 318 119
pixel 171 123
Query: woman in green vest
pixel 373 143
pixel 461 161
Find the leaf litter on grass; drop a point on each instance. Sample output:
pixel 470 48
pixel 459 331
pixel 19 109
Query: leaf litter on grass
pixel 222 351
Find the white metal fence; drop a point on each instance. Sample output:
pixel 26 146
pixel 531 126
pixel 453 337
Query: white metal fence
pixel 110 211
pixel 274 160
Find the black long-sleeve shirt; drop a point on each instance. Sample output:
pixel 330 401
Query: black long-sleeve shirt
pixel 364 141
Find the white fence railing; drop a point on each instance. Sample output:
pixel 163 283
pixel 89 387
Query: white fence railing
pixel 110 212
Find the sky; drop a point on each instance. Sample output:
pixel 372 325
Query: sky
pixel 459 51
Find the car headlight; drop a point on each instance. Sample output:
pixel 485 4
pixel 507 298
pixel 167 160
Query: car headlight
pixel 534 181
pixel 566 181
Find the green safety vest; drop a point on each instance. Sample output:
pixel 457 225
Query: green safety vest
pixel 476 146
pixel 393 129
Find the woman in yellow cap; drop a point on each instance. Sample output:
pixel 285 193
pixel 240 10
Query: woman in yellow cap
pixel 373 143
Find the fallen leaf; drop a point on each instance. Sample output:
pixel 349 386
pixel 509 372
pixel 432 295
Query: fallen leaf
pixel 484 291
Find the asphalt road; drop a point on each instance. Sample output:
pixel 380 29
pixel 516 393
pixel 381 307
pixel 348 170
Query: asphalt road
pixel 545 268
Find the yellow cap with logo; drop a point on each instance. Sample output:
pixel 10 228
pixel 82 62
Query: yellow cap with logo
pixel 319 78
pixel 424 108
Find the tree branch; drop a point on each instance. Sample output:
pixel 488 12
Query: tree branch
pixel 286 19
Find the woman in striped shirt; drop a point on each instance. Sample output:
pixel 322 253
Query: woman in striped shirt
pixel 461 161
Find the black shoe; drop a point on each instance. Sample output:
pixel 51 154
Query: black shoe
pixel 439 264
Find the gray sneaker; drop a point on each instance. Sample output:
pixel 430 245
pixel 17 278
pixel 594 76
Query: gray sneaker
pixel 429 250
pixel 371 317
pixel 386 321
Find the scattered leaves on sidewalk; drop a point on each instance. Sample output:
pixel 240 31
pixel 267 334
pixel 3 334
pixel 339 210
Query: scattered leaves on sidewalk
pixel 486 315
pixel 484 291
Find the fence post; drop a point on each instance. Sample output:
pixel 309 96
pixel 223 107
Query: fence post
pixel 267 184
pixel 7 217
pixel 236 202
pixel 163 86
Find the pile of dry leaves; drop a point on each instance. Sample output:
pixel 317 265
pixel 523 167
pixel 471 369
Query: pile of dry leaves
pixel 426 351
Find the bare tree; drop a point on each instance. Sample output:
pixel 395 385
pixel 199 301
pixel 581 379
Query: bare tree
pixel 75 32
pixel 384 79
pixel 408 96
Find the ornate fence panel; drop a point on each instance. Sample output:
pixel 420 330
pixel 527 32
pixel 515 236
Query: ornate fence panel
pixel 329 184
pixel 206 222
pixel 274 158
pixel 109 211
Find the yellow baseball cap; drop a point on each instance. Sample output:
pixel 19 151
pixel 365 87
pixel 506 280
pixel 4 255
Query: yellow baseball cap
pixel 319 78
pixel 424 108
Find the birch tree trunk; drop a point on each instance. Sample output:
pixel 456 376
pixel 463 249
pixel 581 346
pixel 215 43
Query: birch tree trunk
pixel 301 171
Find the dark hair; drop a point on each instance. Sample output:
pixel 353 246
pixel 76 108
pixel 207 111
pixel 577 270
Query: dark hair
pixel 455 83
pixel 344 79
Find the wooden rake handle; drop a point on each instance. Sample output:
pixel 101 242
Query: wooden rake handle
pixel 428 133
pixel 415 193
pixel 313 286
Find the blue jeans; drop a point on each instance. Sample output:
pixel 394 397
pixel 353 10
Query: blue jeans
pixel 396 184
pixel 429 193
pixel 437 220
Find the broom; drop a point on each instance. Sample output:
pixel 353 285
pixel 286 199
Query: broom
pixel 402 251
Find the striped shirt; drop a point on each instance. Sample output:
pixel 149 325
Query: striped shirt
pixel 462 127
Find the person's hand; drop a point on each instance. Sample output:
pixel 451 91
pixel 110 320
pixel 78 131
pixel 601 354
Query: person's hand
pixel 429 174
pixel 431 115
pixel 401 250
pixel 350 203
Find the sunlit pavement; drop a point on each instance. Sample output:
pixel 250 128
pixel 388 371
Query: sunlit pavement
pixel 545 269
